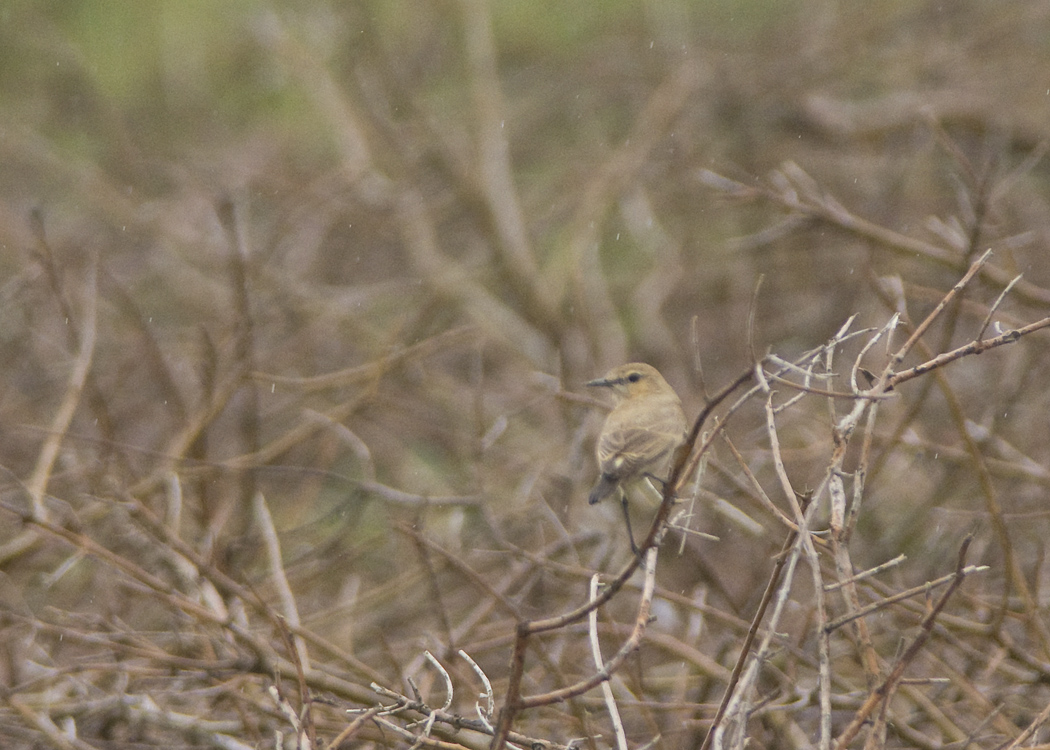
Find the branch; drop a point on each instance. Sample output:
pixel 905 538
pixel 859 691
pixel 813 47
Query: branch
pixel 974 347
pixel 882 693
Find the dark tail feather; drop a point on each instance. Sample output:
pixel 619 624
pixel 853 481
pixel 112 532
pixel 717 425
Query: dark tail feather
pixel 605 487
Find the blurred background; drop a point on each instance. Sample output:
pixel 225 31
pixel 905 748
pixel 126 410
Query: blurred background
pixel 360 257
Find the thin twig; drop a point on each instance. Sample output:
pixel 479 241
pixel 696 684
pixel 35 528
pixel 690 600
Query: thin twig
pixel 353 728
pixel 289 608
pixel 974 347
pixel 925 588
pixel 995 306
pixel 867 573
pixel 749 639
pixel 596 654
pixel 1030 730
pixel 38 480
pixel 881 694
pixel 921 329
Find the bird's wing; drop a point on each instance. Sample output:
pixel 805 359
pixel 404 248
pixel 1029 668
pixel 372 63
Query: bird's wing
pixel 626 450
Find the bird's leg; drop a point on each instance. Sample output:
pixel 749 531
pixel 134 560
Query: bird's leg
pixel 627 518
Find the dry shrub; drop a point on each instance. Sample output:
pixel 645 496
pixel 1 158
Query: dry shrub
pixel 294 440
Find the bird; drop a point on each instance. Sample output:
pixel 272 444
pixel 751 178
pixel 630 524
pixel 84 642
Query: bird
pixel 641 434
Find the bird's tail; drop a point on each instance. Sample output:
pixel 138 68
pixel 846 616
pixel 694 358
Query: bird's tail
pixel 607 483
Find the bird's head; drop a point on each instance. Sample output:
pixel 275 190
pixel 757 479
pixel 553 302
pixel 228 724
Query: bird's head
pixel 633 380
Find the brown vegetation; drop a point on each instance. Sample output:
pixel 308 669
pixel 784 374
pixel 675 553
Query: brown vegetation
pixel 297 308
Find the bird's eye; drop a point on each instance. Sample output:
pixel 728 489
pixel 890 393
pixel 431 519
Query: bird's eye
pixel 634 377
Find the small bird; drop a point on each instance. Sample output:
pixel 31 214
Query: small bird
pixel 641 433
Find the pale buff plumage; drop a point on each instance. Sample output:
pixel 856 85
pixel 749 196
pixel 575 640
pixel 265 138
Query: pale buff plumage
pixel 642 431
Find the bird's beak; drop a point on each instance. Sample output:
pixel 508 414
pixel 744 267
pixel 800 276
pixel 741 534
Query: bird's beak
pixel 599 381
